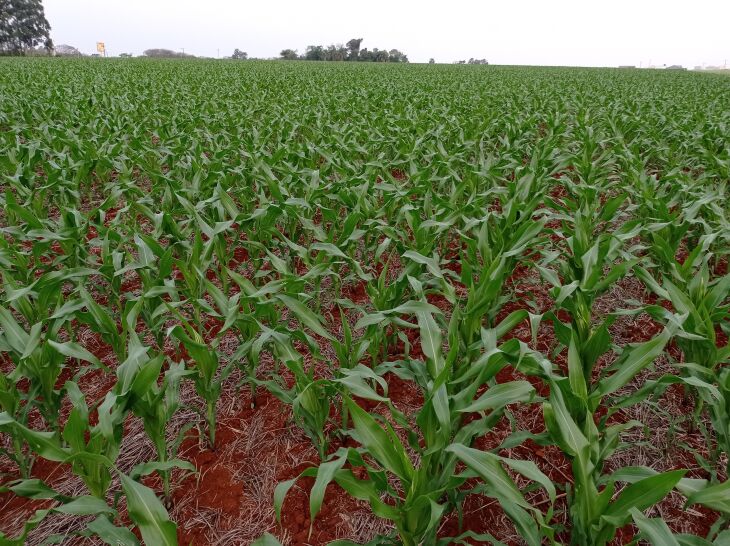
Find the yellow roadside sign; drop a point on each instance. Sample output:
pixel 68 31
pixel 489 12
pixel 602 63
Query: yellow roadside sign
pixel 100 47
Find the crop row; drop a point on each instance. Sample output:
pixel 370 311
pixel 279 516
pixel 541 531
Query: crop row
pixel 320 232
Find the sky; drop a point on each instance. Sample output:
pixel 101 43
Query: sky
pixel 532 32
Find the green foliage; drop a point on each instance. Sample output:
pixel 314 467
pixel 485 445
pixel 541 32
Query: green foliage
pixel 331 231
pixel 23 25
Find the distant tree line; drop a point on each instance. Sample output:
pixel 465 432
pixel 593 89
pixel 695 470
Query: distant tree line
pixel 162 53
pixel 23 26
pixel 348 52
pixel 472 61
pixel 65 50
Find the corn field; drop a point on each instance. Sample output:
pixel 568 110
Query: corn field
pixel 292 303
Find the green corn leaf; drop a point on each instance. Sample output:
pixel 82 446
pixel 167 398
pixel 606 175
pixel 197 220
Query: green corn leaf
pixel 431 341
pixel 632 361
pixel 501 487
pixel 576 377
pixel 307 317
pixel 500 395
pixel 383 445
pixel 325 474
pixel 530 471
pixel 148 513
pixel 73 350
pixel 572 437
pixel 716 497
pixel 112 535
pixel 84 505
pixel 641 495
pixel 282 488
pixel 654 530
pixel 266 540
pixel 487 465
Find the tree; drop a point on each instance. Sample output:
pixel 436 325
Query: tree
pixel 380 55
pixel 289 54
pixel 65 50
pixel 336 52
pixel 432 61
pixel 353 47
pixel 239 55
pixel 395 56
pixel 315 53
pixel 23 25
pixel 166 53
pixel 349 52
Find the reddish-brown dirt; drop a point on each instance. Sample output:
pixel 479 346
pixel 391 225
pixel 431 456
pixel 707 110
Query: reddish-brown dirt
pixel 215 487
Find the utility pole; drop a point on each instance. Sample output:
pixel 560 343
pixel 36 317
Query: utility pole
pixel 219 53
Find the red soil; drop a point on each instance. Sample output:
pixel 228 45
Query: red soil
pixel 215 486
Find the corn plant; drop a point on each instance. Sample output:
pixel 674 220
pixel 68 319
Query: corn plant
pixel 580 276
pixel 145 510
pixel 595 261
pixel 40 359
pixel 428 489
pixel 704 302
pixel 497 243
pixel 208 374
pixel 322 227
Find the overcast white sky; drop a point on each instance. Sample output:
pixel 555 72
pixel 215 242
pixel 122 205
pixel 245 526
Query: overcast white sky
pixel 558 32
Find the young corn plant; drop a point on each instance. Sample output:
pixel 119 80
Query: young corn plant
pixel 310 398
pixel 93 450
pixel 208 374
pixel 248 313
pixel 153 265
pixel 350 353
pixel 494 247
pixel 595 514
pixel 594 262
pixel 38 358
pixel 418 479
pixel 706 304
pixel 147 513
pixel 155 405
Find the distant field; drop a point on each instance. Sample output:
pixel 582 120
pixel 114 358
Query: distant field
pixel 391 304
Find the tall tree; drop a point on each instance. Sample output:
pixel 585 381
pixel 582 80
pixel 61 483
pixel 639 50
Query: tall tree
pixel 336 52
pixel 315 53
pixel 381 55
pixel 289 54
pixel 239 55
pixel 23 25
pixel 354 48
pixel 395 56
